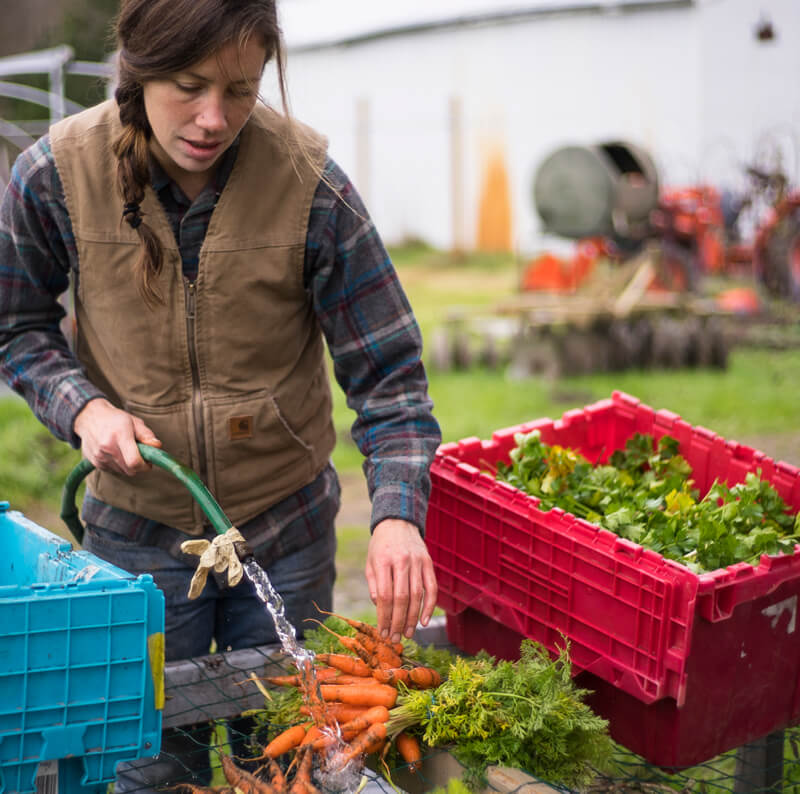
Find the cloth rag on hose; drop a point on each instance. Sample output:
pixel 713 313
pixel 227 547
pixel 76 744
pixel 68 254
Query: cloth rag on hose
pixel 219 555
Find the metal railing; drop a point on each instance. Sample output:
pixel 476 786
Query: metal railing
pixel 56 63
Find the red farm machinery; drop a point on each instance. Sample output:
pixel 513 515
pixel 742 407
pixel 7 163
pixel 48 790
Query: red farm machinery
pixel 657 276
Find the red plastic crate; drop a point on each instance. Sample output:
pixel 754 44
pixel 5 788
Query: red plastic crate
pixel 684 666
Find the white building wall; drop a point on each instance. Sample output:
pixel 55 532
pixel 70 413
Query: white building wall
pixel 676 80
pixel 750 105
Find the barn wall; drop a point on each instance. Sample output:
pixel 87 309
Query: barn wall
pixel 690 84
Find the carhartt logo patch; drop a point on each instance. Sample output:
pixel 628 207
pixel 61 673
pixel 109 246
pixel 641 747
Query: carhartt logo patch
pixel 240 427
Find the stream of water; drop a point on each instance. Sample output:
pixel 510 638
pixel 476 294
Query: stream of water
pixel 274 603
pixel 343 780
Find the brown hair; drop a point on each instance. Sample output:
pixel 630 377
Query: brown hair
pixel 156 38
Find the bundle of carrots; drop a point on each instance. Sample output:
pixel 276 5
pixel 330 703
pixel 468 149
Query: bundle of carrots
pixel 356 690
pixel 343 716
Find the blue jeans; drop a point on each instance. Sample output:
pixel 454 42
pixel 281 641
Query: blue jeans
pixel 234 617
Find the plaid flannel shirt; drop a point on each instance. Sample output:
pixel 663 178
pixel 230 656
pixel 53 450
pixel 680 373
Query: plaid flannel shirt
pixel 373 338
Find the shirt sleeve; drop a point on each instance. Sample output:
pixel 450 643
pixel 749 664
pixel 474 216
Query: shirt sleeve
pixel 376 349
pixel 37 252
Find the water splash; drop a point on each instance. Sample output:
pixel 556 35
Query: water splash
pixel 274 603
pixel 302 657
pixel 344 779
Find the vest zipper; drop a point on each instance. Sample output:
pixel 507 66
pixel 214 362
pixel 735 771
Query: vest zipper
pixel 197 397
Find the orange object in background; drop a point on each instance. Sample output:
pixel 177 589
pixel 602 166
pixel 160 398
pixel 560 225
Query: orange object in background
pixel 546 272
pixel 740 300
pixel 550 272
pixel 494 211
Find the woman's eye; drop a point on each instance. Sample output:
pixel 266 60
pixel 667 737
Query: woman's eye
pixel 189 88
pixel 242 91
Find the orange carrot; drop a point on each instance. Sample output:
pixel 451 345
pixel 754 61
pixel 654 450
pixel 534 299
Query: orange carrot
pixel 347 664
pixel 311 696
pixel 350 643
pixel 285 741
pixel 424 677
pixel 364 628
pixel 242 780
pixel 326 672
pixel 381 652
pixel 322 673
pixel 277 778
pixel 282 680
pixel 392 675
pixel 386 655
pixel 302 783
pixel 314 732
pixel 369 641
pixel 372 695
pixel 369 741
pixel 352 728
pixel 409 749
pixel 349 730
pixel 358 680
pixel 341 712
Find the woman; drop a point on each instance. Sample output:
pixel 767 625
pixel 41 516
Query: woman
pixel 211 244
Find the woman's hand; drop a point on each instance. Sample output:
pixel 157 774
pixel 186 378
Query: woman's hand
pixel 402 584
pixel 108 437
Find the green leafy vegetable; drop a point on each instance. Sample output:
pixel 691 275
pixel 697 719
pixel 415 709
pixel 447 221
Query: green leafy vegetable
pixel 645 494
pixel 281 709
pixel 526 714
pixel 318 640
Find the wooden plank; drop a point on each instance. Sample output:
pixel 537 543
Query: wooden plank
pixel 216 686
pixel 439 767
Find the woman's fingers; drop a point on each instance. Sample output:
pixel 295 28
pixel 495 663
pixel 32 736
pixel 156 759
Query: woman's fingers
pixel 430 591
pixel 109 435
pixel 401 579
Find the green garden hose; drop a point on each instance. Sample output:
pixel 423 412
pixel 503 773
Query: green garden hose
pixel 195 486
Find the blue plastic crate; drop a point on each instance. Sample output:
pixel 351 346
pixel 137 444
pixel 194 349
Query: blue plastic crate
pixel 81 662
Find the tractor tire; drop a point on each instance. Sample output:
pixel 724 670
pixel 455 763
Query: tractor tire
pixel 780 266
pixel 720 344
pixel 463 357
pixel 534 352
pixel 441 351
pixel 491 356
pixel 623 346
pixel 642 334
pixel 671 341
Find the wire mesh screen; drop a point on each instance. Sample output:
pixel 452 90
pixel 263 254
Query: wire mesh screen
pixel 211 709
pixel 213 703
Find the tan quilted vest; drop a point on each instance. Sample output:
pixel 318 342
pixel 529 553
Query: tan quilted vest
pixel 229 373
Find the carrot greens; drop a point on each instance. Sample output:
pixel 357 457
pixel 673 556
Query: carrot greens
pixel 526 714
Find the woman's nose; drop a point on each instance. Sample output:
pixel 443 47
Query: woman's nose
pixel 212 115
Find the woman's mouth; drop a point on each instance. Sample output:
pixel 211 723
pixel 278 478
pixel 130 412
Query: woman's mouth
pixel 202 150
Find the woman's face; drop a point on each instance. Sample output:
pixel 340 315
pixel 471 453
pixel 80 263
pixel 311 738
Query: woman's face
pixel 197 113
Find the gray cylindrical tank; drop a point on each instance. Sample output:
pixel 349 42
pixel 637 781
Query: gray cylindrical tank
pixel 608 189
